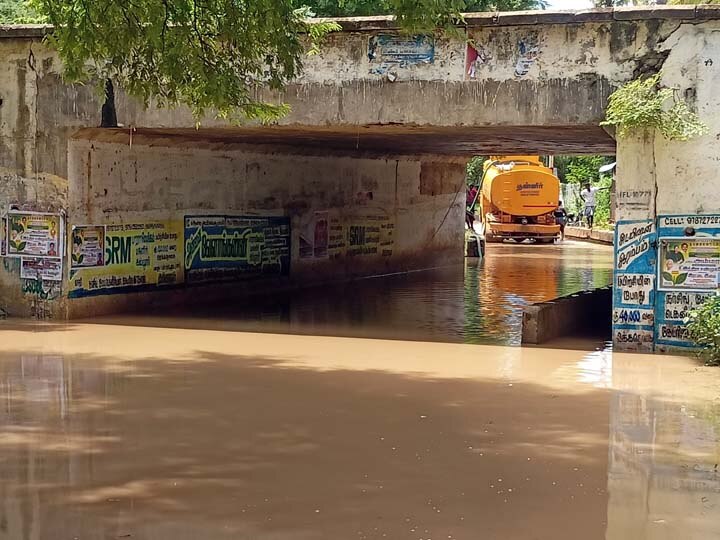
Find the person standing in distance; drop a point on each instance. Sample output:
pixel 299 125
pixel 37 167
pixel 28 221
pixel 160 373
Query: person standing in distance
pixel 588 195
pixel 561 219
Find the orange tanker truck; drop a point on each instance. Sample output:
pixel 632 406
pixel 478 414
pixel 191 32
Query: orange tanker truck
pixel 516 199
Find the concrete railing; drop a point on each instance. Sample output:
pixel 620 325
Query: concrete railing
pixel 581 233
pixel 579 312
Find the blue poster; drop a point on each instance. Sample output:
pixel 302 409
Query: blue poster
pixel 388 51
pixel 633 319
pixel 223 248
pixel 688 272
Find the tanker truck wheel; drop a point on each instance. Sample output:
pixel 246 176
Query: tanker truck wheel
pixel 546 240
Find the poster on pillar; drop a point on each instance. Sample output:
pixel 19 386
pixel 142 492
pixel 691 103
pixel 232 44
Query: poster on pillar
pixel 34 234
pixel 138 257
pixel 688 272
pixel 226 248
pixel 633 316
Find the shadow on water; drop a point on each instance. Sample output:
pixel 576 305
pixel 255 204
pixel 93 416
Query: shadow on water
pixel 187 434
pixel 478 302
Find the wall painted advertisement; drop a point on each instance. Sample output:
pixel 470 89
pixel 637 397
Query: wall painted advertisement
pixel 633 323
pixel 222 248
pixel 688 272
pixel 34 234
pixel 333 236
pixel 137 257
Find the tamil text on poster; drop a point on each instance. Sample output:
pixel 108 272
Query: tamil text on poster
pixel 220 248
pixel 633 318
pixel 687 273
pixel 369 235
pixel 138 256
pixel 87 246
pixel 34 234
pixel 41 268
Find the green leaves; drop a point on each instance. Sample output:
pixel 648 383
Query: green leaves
pixel 18 246
pixel 409 10
pixel 211 55
pixel 19 12
pixel 645 104
pixel 677 279
pixel 703 324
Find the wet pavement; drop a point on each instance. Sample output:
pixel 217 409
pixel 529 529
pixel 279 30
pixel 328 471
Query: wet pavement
pixel 158 432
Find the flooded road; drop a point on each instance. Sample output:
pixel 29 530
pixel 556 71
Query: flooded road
pixel 186 429
pixel 480 302
pixel 157 433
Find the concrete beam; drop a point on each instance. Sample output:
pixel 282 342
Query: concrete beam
pixel 456 143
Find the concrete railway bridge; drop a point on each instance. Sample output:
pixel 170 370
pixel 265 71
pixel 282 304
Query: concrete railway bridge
pixel 363 177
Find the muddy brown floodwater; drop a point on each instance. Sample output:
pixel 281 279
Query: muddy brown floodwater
pixel 112 431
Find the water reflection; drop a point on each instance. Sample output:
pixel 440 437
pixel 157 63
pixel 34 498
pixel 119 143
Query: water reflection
pixel 160 433
pixel 663 475
pixel 479 303
pixel 513 276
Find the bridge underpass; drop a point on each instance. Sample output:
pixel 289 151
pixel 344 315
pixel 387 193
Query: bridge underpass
pixel 191 430
pixel 526 79
pixel 386 200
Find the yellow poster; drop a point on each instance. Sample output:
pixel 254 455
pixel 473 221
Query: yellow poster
pixel 138 256
pixel 360 235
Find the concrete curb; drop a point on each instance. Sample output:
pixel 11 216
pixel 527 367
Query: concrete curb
pixel 580 233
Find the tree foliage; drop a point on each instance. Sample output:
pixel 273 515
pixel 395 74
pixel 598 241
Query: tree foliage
pixel 703 324
pixel 646 104
pixel 208 54
pixel 357 8
pixel 585 169
pixel 18 12
pixel 580 169
pixel 474 170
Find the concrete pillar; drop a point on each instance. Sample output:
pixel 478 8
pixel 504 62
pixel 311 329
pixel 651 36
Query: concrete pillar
pixel 668 209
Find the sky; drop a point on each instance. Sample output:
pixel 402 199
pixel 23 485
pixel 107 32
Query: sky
pixel 570 4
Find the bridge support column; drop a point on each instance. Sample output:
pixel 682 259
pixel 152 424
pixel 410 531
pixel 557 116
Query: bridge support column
pixel 668 209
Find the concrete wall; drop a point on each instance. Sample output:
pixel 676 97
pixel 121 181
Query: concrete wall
pixel 417 206
pixel 657 178
pixel 586 311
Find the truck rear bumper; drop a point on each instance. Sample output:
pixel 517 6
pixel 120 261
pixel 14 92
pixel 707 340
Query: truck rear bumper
pixel 514 230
